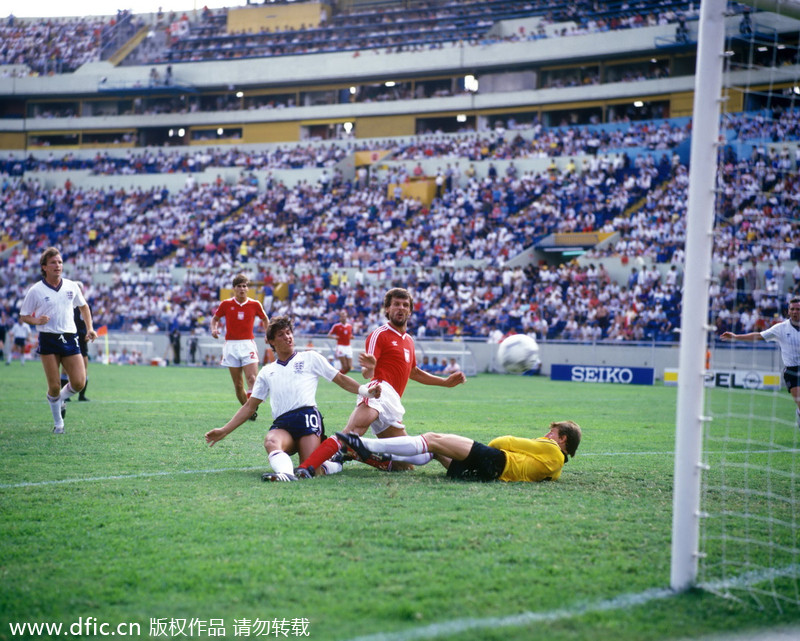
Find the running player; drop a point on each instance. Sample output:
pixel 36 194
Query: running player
pixel 21 332
pixel 240 354
pixel 343 331
pixel 49 304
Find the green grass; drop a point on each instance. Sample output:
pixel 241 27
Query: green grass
pixel 130 517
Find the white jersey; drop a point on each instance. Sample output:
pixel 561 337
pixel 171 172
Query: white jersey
pixel 57 303
pixel 788 338
pixel 293 383
pixel 21 330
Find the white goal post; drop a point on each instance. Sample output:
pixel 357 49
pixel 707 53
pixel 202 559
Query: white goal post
pixel 736 504
pixel 699 242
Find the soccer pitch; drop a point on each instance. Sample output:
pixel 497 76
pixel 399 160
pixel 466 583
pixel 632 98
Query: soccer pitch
pixel 131 522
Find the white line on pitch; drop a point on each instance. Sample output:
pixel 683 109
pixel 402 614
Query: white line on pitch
pixel 122 477
pixel 622 602
pixel 450 628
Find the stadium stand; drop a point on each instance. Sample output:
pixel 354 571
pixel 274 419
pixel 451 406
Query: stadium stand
pixel 336 232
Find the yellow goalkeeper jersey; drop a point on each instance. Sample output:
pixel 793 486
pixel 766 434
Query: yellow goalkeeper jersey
pixel 530 459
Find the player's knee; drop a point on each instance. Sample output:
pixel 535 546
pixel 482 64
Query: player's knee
pixel 271 443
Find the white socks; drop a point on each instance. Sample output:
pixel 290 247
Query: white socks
pixel 66 392
pixel 280 462
pixel 55 408
pixel 419 459
pixel 398 445
pixel 330 467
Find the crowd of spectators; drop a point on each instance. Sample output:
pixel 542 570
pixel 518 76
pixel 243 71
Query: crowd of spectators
pixel 543 142
pixel 51 46
pixel 416 26
pixel 498 144
pixel 165 161
pixel 62 45
pixel 339 243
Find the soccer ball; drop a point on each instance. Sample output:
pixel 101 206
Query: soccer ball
pixel 518 353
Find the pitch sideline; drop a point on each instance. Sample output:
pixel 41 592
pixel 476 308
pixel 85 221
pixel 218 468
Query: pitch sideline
pixel 622 602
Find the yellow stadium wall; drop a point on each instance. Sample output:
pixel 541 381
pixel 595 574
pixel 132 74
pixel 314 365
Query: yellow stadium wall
pixel 734 100
pixel 275 17
pixel 680 104
pixel 12 141
pixel 271 132
pixel 386 126
pixel 369 157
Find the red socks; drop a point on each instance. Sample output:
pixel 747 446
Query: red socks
pixel 326 449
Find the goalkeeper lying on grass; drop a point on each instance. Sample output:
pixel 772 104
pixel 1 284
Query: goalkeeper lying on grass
pixel 507 458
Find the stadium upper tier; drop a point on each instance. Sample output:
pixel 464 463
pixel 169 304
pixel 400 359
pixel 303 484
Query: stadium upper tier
pixel 418 26
pixel 62 45
pixel 629 66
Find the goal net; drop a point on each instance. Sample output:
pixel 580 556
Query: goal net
pixel 749 499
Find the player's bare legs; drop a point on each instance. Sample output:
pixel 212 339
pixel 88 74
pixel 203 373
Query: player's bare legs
pixel 250 372
pixel 50 363
pixel 360 419
pixel 345 364
pixel 76 372
pixel 307 445
pixel 238 383
pixel 73 366
pixel 446 447
pixel 359 422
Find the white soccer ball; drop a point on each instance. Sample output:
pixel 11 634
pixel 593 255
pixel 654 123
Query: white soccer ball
pixel 518 353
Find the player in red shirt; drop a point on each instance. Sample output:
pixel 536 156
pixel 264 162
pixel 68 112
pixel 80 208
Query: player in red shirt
pixel 389 358
pixel 343 331
pixel 240 354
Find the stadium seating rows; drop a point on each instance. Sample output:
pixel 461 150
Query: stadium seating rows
pixel 61 46
pixel 311 235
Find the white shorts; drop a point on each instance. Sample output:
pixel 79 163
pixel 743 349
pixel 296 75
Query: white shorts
pixel 239 353
pixel 390 409
pixel 344 350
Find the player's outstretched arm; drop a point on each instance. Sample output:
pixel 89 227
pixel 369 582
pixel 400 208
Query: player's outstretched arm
pixel 242 414
pixel 752 336
pixel 426 378
pixel 351 385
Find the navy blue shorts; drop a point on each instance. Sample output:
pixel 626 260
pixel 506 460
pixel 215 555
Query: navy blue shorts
pixel 483 463
pixel 791 376
pixel 303 421
pixel 59 344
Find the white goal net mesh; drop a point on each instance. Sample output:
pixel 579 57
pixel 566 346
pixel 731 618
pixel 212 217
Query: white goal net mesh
pixel 750 498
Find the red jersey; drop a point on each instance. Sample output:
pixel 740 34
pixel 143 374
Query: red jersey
pixel 395 355
pixel 239 318
pixel 343 333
